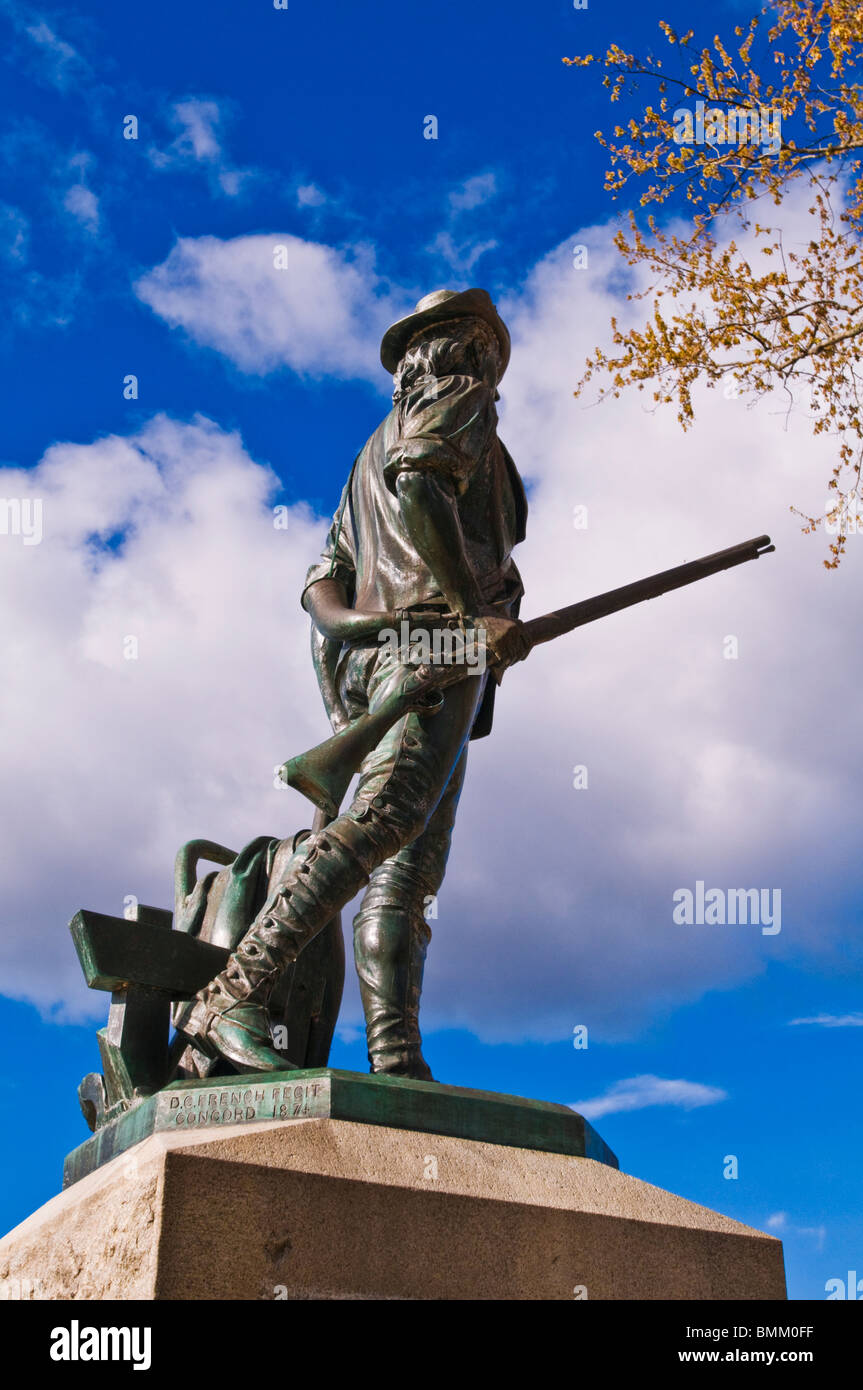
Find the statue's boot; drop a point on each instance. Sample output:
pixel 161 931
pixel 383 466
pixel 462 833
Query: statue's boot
pixel 390 945
pixel 229 1017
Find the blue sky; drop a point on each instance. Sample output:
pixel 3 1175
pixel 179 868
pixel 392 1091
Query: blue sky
pixel 151 256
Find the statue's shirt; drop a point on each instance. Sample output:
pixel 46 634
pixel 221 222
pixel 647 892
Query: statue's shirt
pixel 447 426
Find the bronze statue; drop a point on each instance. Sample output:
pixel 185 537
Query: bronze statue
pixel 421 543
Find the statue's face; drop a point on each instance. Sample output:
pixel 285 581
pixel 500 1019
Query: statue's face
pixel 463 345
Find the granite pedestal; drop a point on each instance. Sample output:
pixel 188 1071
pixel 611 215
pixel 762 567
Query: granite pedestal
pixel 391 1203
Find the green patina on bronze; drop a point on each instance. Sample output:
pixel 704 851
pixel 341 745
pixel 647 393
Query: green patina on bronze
pixel 147 967
pixel 115 951
pixel 321 1093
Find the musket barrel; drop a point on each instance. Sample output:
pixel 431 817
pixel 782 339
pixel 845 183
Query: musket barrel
pixel 563 620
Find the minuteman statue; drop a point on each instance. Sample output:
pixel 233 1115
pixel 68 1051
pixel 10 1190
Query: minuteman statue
pixel 424 532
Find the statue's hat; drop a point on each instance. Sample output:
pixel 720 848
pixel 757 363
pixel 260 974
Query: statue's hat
pixel 437 307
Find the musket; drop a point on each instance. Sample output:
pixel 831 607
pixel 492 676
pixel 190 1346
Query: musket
pixel 324 773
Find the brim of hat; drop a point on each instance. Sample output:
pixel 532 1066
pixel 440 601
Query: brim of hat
pixel 396 338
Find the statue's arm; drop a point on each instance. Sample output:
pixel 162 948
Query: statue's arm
pixel 325 659
pixel 428 508
pixel 445 430
pixel 431 517
pixel 328 594
pixel 327 601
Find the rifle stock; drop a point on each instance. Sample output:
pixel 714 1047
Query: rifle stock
pixel 323 774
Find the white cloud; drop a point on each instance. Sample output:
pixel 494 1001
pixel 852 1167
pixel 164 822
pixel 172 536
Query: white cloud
pixel 458 251
pixel 14 233
pixel 61 63
pixel 461 256
pixel 473 192
pixel 831 1021
pixel 323 315
pixel 639 1092
pixel 780 1225
pixel 310 196
pixel 111 764
pixel 199 122
pixel 81 202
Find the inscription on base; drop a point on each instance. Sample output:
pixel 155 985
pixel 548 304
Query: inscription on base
pixel 234 1105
